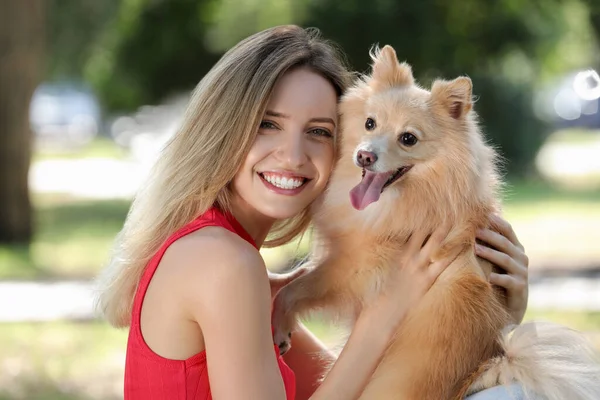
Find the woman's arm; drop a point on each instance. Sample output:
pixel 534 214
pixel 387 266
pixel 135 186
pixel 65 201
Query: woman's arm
pixel 228 295
pixel 310 359
pixel 225 289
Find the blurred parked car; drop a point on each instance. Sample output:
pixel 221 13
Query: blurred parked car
pixel 64 115
pixel 145 132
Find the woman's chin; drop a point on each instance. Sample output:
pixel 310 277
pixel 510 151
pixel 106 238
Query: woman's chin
pixel 279 212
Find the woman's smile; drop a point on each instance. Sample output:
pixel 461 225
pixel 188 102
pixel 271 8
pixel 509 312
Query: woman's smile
pixel 285 183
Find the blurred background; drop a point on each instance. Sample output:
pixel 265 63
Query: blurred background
pixel 90 90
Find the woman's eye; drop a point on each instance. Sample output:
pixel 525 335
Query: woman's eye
pixel 321 132
pixel 267 125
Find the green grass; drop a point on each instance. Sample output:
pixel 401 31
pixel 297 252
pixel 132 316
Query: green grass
pixel 85 360
pixel 61 360
pixel 532 199
pixel 585 321
pixel 574 136
pixel 99 147
pixel 558 227
pixel 70 360
pixel 527 192
pixel 73 239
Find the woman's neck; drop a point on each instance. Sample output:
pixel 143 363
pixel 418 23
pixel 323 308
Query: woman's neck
pixel 256 224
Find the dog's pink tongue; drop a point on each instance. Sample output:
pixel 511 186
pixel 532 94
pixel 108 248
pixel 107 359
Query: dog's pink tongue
pixel 368 190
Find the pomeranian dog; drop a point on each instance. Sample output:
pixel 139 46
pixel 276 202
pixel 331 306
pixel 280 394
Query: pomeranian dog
pixel 416 159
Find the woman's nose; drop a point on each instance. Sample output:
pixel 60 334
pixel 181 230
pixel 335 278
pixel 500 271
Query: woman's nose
pixel 292 150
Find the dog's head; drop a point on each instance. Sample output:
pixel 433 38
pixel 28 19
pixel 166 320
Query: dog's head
pixel 398 133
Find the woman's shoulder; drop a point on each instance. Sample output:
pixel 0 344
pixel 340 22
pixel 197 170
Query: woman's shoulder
pixel 212 263
pixel 212 245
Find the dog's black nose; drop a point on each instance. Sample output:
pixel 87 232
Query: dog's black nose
pixel 366 158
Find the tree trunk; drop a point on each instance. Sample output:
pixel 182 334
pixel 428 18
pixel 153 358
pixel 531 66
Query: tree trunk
pixel 21 48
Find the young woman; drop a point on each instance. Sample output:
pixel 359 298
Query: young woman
pixel 256 147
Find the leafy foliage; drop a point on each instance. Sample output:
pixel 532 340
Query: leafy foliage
pixel 146 50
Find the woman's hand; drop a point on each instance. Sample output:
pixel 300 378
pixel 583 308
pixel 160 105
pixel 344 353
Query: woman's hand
pixel 506 252
pixel 410 282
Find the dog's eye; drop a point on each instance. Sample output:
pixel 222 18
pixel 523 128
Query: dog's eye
pixel 408 139
pixel 370 124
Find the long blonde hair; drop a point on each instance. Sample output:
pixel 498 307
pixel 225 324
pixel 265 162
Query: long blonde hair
pixel 196 166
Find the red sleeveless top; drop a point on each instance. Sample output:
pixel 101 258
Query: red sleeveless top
pixel 149 376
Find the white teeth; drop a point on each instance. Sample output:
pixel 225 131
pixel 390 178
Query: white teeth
pixel 283 182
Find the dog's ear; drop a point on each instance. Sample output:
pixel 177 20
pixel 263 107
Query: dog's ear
pixel 387 71
pixel 454 96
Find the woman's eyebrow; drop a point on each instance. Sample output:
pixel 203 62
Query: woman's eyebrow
pixel 276 114
pixel 323 120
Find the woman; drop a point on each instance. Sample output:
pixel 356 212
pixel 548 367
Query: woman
pixel 255 149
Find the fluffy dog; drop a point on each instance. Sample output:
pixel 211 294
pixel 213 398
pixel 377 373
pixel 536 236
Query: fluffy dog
pixel 424 162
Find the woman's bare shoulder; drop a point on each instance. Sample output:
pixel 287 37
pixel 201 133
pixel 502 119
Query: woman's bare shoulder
pixel 211 264
pixel 212 243
pixel 224 287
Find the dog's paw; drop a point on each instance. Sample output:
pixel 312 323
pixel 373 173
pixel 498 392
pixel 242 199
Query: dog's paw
pixel 282 331
pixel 283 324
pixel 283 341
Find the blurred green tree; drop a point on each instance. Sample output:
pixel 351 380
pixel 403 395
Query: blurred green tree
pixel 21 55
pixel 155 48
pixel 73 26
pixel 152 49
pixel 502 45
pixel 594 8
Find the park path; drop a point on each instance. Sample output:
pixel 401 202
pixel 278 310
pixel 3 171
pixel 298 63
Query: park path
pixel 73 300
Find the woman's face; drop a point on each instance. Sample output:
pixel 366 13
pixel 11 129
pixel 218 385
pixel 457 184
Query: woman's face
pixel 289 163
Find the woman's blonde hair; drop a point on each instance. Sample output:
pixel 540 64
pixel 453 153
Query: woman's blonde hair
pixel 196 166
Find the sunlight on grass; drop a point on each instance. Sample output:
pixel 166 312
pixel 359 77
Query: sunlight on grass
pixel 16 261
pixel 574 136
pixel 61 360
pixel 99 147
pixel 73 239
pixel 587 322
pixel 71 360
pixel 583 320
pixel 291 254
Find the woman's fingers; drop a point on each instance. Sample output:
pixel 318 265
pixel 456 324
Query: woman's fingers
pixel 434 243
pixel 508 282
pixel 502 260
pixel 415 242
pixel 436 268
pixel 506 230
pixel 497 241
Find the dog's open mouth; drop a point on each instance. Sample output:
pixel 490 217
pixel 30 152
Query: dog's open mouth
pixel 373 184
pixel 396 175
